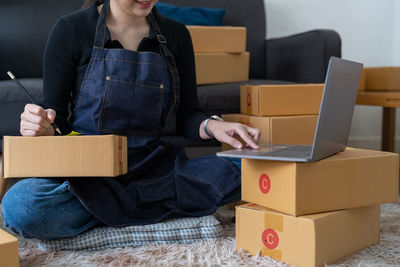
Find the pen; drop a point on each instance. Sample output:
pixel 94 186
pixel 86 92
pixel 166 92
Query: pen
pixel 30 97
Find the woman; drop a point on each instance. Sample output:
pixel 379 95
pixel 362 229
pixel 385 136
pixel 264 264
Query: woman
pixel 120 67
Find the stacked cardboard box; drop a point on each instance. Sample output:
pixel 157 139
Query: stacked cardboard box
pixel 285 114
pixel 220 54
pixel 307 214
pixel 8 250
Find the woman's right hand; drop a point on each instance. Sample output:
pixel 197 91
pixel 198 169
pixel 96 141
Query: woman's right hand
pixel 36 121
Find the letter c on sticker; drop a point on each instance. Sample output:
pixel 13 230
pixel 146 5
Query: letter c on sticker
pixel 264 183
pixel 249 100
pixel 270 238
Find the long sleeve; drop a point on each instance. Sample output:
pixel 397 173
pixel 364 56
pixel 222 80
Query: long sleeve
pixel 189 115
pixel 59 72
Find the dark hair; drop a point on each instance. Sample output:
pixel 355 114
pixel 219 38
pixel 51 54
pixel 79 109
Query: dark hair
pixel 87 3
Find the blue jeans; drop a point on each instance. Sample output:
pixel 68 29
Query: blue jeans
pixel 46 209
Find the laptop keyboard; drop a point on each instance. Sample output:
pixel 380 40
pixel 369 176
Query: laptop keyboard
pixel 292 152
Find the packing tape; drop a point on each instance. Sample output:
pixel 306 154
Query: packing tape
pixel 249 100
pixel 273 226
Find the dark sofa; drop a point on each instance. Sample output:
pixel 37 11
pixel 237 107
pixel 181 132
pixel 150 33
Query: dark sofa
pixel 25 25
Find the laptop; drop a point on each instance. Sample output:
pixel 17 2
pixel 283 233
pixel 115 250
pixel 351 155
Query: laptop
pixel 334 120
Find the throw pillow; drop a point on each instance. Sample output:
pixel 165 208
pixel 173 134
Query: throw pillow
pixel 192 15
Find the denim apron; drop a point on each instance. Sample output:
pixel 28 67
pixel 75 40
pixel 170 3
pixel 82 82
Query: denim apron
pixel 131 93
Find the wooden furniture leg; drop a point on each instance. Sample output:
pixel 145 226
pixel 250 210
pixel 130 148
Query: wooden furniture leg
pixel 388 129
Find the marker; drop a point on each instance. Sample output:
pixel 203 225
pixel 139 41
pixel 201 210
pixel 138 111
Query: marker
pixel 30 97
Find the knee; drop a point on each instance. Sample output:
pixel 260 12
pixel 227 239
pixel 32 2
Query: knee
pixel 26 214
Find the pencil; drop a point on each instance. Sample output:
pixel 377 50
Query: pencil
pixel 30 97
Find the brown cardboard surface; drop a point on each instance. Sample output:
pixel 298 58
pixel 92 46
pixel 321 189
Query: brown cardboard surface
pixel 307 240
pixel 361 87
pixel 218 39
pixel 3 182
pixel 349 179
pixel 222 67
pixel 278 130
pixel 65 156
pixel 8 250
pixel 382 79
pixel 281 100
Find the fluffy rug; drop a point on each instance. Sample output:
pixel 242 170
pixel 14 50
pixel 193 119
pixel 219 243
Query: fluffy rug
pixel 220 252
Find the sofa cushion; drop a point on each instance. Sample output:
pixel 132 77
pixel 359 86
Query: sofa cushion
pixel 192 15
pixel 24 28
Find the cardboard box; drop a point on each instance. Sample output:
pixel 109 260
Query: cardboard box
pixel 306 241
pixel 361 87
pixel 382 79
pixel 278 130
pixel 218 39
pixel 8 250
pixel 65 156
pixel 281 100
pixel 3 182
pixel 222 67
pixel 349 179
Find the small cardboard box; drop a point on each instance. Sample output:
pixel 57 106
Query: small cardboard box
pixel 218 39
pixel 278 130
pixel 8 250
pixel 352 178
pixel 280 100
pixel 361 87
pixel 222 67
pixel 306 241
pixel 65 156
pixel 382 79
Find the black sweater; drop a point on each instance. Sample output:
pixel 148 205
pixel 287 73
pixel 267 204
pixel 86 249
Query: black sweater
pixel 68 52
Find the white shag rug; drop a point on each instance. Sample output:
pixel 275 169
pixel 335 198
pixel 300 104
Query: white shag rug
pixel 220 252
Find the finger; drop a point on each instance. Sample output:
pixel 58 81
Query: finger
pixel 51 114
pixel 36 110
pixel 241 131
pixel 36 119
pixel 26 125
pixel 255 133
pixel 225 138
pixel 28 133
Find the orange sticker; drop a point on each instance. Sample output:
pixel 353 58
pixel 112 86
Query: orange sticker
pixel 270 238
pixel 264 183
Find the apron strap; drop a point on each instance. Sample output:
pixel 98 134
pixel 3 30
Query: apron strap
pixel 169 59
pixel 100 36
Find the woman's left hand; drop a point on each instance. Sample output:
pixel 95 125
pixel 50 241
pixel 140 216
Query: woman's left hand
pixel 225 132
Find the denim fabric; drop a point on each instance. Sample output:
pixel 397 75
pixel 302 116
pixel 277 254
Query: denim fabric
pixel 237 162
pixel 45 209
pixel 114 95
pixel 177 187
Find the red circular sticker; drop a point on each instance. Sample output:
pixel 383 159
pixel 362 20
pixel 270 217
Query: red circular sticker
pixel 264 183
pixel 270 238
pixel 249 100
